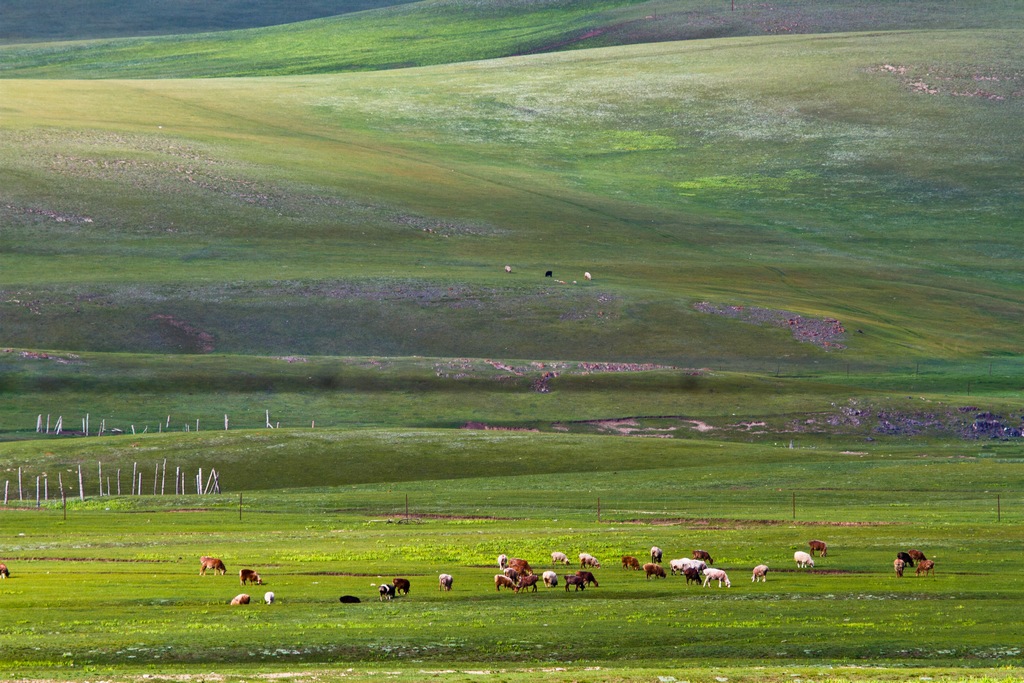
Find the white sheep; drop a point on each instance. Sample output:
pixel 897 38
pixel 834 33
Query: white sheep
pixel 586 276
pixel 557 557
pixel 268 597
pixel 550 579
pixel 444 582
pixel 760 572
pixel 716 575
pixel 588 560
pixel 502 561
pixel 803 559
pixel 679 565
pixel 656 552
pixel 508 269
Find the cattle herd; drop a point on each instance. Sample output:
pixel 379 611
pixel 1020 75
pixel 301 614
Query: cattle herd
pixel 518 576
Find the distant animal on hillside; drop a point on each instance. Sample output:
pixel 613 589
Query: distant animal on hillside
pixel 630 562
pixel 802 559
pixel 907 559
pixel 703 555
pixel 249 576
pixel 268 597
pixel 548 274
pixel 760 572
pixel 444 582
pixel 240 599
pixel 508 269
pixel 656 554
pixel 587 276
pixel 502 561
pixel 819 547
pixel 211 563
pixel 655 570
pixel 898 566
pixel 401 585
pixel 349 599
pixel 926 566
pixel 386 591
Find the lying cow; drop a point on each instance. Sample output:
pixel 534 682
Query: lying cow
pixel 240 599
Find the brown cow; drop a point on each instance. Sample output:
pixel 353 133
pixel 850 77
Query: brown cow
pixel 654 570
pixel 4 572
pixel 520 565
pixel 925 566
pixel 818 546
pixel 692 574
pixel 249 576
pixel 211 563
pixel 528 581
pixel 898 565
pixel 401 585
pixel 703 555
pixel 240 599
pixel 916 554
pixel 588 577
pixel 630 562
pixel 573 580
pixel 502 581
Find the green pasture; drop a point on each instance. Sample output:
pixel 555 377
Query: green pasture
pixel 363 214
pixel 118 575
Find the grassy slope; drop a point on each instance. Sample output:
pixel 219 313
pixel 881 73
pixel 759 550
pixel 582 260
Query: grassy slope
pixel 446 31
pixel 377 210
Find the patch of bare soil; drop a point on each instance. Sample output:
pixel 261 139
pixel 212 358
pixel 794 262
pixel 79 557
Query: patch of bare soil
pixel 828 333
pixel 720 524
pixel 199 340
pixel 495 428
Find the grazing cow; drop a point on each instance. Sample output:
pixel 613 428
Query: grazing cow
pixel 573 580
pixel 691 574
pixel 550 579
pixel 502 581
pixel 387 591
pixel 559 558
pixel 444 582
pixel 630 562
pixel 652 569
pixel 917 555
pixel 4 572
pixel 502 561
pixel 211 563
pixel 656 554
pixel 716 575
pixel 700 565
pixel 548 274
pixel 925 566
pixel 240 599
pixel 511 573
pixel 588 560
pixel 898 565
pixel 528 581
pixel 401 586
pixel 587 577
pixel 508 269
pixel 803 559
pixel 268 597
pixel 520 565
pixel 907 559
pixel 760 572
pixel 349 599
pixel 703 555
pixel 819 547
pixel 587 276
pixel 249 576
pixel 677 566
